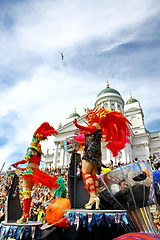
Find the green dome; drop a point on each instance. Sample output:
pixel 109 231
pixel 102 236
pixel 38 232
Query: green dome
pixel 131 100
pixel 108 90
pixel 74 115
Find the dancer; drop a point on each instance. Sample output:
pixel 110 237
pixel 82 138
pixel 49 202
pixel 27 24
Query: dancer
pixel 103 124
pixel 32 175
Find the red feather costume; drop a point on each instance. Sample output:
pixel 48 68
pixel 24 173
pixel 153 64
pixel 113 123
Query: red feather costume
pixel 33 156
pixel 114 127
pixel 110 126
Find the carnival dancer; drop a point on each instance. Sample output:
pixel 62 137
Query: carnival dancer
pixel 32 175
pixel 110 126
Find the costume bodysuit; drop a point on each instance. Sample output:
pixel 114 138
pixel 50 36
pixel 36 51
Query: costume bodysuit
pixel 92 150
pixel 34 174
pixel 38 176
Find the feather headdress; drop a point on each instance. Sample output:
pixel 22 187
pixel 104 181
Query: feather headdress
pixel 114 127
pixel 43 132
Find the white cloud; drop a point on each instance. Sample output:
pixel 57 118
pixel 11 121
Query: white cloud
pixel 47 26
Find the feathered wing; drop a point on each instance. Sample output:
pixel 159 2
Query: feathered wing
pixel 80 138
pixel 44 131
pixel 116 146
pixel 114 129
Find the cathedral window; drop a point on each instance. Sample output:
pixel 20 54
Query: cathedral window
pixel 112 106
pixel 134 121
pixel 105 105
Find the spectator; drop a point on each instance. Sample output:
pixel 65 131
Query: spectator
pixel 41 214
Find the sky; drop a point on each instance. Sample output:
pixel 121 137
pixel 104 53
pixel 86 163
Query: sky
pixel 118 41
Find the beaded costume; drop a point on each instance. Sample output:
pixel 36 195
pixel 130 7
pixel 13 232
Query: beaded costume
pixel 109 126
pixel 92 150
pixel 36 175
pixel 32 175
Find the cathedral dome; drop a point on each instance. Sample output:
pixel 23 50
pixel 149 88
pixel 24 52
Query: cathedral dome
pixel 131 100
pixel 110 98
pixel 108 90
pixel 75 114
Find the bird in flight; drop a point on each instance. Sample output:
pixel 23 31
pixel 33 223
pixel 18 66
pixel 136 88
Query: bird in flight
pixel 62 56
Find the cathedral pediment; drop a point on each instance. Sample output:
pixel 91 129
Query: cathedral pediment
pixel 69 127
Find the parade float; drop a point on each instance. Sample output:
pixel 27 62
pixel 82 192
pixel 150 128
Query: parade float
pixel 125 194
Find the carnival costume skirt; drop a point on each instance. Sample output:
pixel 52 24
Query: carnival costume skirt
pixel 92 150
pixel 38 176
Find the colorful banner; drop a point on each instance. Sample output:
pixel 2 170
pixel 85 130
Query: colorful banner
pixel 90 219
pixel 17 232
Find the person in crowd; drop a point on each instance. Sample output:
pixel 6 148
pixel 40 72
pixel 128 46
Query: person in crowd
pixel 33 212
pixel 41 214
pixel 32 175
pixel 105 168
pixel 2 213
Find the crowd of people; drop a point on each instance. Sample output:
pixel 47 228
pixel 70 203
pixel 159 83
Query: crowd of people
pixel 41 195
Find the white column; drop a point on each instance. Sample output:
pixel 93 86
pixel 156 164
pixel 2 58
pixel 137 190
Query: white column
pixel 67 157
pixel 116 106
pixel 108 156
pixel 66 160
pixel 109 105
pixel 127 153
pixel 124 158
pixel 147 151
pixel 104 158
pixel 130 152
pixel 103 151
pixel 55 155
pixel 45 165
pixel 62 156
pixel 114 161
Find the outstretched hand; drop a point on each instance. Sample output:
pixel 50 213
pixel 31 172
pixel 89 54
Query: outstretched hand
pixel 14 165
pixel 75 122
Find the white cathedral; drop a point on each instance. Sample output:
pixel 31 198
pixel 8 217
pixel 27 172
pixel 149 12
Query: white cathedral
pixel 142 142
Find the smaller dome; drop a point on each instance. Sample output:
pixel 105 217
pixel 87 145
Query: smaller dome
pixel 74 114
pixel 108 90
pixel 131 100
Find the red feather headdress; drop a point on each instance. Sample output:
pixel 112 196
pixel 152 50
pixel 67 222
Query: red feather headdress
pixel 114 127
pixel 43 132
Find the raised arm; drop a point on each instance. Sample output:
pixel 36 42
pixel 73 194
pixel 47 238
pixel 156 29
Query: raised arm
pixel 90 129
pixel 19 162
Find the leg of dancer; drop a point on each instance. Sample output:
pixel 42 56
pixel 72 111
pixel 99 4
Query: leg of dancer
pixel 26 193
pixel 89 172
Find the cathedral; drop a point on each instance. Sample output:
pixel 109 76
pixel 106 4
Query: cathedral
pixel 142 142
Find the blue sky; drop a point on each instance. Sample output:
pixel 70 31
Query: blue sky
pixel 118 41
